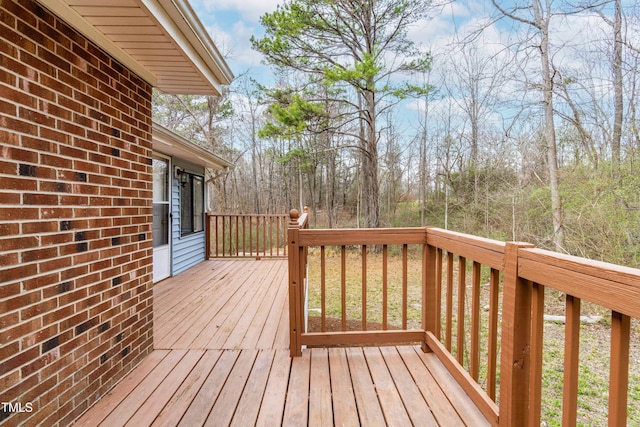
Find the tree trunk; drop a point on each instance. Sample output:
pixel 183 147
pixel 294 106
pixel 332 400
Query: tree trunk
pixel 550 130
pixel 617 87
pixel 370 166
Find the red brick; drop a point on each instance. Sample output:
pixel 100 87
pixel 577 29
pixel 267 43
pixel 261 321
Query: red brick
pixel 9 199
pixel 55 316
pixel 16 38
pixel 18 360
pixel 39 227
pixel 56 239
pixel 14 214
pixel 56 161
pixel 9 289
pixel 69 151
pixel 9 319
pixel 19 330
pixel 41 335
pixel 9 259
pixel 52 212
pixel 9 350
pixel 17 272
pixel 74 272
pixel 55 135
pixel 40 199
pixel 37 117
pixel 16 243
pixel 87 257
pixel 39 254
pixel 55 264
pixel 20 184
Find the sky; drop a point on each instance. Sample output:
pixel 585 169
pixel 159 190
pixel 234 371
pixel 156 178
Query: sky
pixel 231 24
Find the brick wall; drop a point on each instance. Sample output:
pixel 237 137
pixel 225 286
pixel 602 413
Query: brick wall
pixel 75 219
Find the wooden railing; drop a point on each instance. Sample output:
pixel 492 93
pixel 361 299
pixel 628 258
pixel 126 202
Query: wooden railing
pixel 246 236
pixel 508 279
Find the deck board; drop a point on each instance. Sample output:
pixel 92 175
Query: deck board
pixel 249 379
pixel 181 400
pixel 394 411
pixel 247 410
pixel 320 407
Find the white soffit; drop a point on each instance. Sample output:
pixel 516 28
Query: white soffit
pixel 162 41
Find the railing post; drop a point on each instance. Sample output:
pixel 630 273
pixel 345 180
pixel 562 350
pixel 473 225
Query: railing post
pixel 429 285
pixel 295 323
pixel 515 342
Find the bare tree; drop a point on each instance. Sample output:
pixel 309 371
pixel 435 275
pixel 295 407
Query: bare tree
pixel 537 16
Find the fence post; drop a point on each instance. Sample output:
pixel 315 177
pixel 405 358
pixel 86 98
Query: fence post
pixel 515 342
pixel 295 323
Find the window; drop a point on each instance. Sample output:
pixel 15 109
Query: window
pixel 191 203
pixel 160 202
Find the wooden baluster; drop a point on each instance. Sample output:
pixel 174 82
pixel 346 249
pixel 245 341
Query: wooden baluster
pixel 430 292
pixel 264 235
pixel 494 291
pixel 244 235
pixel 474 361
pixel 438 299
pixel 323 290
pixel 286 251
pixel 619 369
pixel 364 287
pixel 449 320
pixel 343 287
pixel 537 335
pixel 230 236
pixel 271 235
pixel 385 281
pixel 462 284
pixel 251 235
pixel 258 236
pixel 224 234
pixel 237 235
pixel 404 286
pixel 217 236
pixel 571 360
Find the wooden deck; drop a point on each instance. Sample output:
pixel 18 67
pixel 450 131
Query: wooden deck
pixel 222 358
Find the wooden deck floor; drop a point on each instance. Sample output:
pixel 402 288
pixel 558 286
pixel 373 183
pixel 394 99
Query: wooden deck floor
pixel 222 359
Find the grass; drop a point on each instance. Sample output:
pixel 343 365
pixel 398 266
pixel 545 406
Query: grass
pixel 594 338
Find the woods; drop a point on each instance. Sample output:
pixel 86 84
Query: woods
pixel 520 126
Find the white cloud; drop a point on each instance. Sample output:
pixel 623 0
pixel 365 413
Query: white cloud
pixel 235 44
pixel 249 10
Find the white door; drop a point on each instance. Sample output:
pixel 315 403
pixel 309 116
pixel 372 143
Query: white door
pixel 161 223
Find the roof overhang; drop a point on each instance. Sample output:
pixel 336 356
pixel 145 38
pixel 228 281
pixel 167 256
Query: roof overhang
pixel 168 142
pixel 162 41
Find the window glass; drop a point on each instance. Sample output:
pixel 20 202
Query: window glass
pixel 198 203
pixel 160 187
pixel 160 224
pixel 191 203
pixel 160 202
